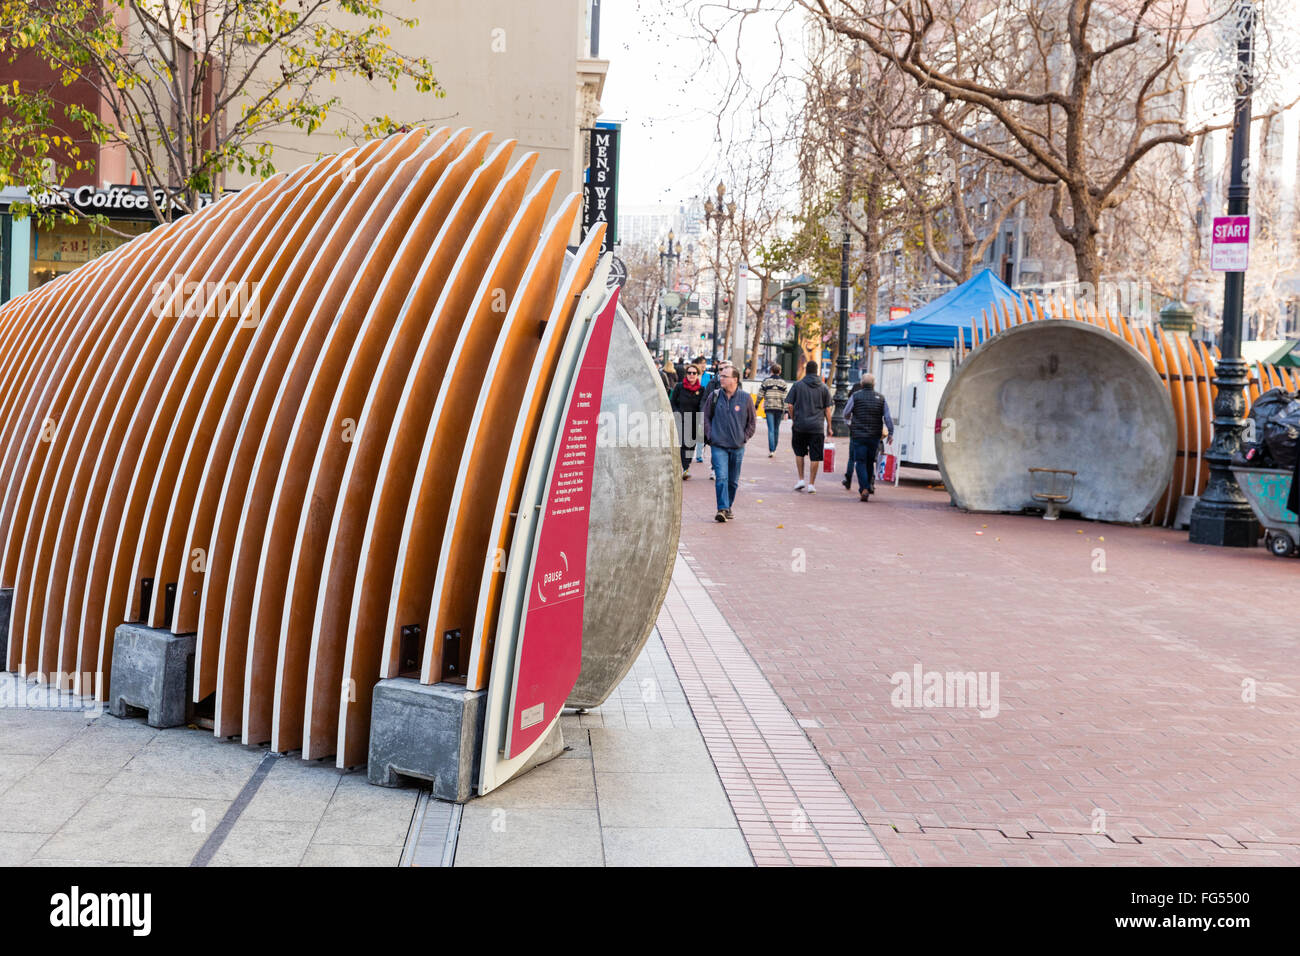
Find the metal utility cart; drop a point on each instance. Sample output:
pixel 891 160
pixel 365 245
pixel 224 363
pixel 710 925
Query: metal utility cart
pixel 1267 490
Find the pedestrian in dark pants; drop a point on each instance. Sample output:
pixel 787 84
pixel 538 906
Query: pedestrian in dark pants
pixel 772 392
pixel 729 422
pixel 712 383
pixel 686 398
pixel 867 415
pixel 809 404
pixel 848 465
pixel 706 379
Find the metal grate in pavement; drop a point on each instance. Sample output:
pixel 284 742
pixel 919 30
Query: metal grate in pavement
pixel 432 840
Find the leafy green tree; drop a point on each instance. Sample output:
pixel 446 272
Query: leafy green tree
pixel 190 89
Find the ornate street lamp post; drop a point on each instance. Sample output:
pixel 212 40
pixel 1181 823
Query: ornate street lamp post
pixel 667 269
pixel 715 217
pixel 1222 515
pixel 838 428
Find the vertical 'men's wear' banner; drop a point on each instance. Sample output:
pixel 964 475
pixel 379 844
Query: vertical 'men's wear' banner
pixel 600 194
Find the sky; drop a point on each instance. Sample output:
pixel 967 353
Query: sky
pixel 664 85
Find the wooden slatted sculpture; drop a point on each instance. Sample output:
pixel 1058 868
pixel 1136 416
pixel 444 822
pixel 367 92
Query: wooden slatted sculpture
pixel 299 424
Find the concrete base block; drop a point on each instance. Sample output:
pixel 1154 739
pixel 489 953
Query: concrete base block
pixel 6 608
pixel 153 671
pixel 431 732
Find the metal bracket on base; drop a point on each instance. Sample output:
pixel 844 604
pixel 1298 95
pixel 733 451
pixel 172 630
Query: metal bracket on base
pixel 6 608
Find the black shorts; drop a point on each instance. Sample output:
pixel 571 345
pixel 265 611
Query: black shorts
pixel 808 444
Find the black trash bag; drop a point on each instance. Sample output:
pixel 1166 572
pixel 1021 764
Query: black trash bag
pixel 1282 434
pixel 1269 408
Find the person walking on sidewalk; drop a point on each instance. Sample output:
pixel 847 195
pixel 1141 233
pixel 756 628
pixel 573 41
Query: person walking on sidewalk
pixel 867 415
pixel 667 375
pixel 848 465
pixel 686 398
pixel 711 384
pixel 772 392
pixel 706 379
pixel 729 422
pixel 808 404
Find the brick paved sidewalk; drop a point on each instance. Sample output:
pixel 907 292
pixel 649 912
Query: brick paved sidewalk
pixel 1148 690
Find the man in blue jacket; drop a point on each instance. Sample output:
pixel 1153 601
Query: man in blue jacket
pixel 729 422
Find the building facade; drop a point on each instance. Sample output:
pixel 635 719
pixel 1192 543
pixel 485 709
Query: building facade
pixel 523 69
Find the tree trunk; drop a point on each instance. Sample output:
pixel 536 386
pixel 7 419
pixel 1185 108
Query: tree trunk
pixel 1081 234
pixel 1087 263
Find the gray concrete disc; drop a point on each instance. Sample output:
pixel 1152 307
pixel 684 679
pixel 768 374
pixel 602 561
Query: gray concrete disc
pixel 1057 394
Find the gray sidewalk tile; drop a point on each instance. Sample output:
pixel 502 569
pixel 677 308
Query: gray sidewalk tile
pixel 44 800
pixel 669 846
pixel 668 800
pixel 190 764
pixel 265 843
pixel 662 750
pixel 39 732
pixel 18 848
pixel 363 815
pixel 132 828
pixel 105 746
pixel 292 791
pixel 557 785
pixel 345 855
pixel 500 837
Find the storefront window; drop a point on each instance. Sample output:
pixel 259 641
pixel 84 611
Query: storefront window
pixel 66 246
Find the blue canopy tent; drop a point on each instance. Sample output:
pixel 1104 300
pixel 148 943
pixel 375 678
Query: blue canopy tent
pixel 938 323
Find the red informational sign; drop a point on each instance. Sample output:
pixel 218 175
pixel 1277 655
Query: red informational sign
pixel 550 636
pixel 1230 244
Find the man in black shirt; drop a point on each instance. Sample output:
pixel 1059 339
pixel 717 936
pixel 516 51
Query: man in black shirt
pixel 867 415
pixel 809 406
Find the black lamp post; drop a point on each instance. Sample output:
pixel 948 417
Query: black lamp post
pixel 715 216
pixel 1222 515
pixel 838 428
pixel 667 265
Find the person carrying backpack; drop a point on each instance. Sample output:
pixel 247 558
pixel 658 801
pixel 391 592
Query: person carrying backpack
pixel 729 422
pixel 772 392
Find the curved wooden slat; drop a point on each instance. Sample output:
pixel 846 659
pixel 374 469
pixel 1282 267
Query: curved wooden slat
pixel 358 576
pixel 319 295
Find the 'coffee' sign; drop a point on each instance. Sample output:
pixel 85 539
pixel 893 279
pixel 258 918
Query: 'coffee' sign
pixel 1230 244
pixel 115 202
pixel 599 195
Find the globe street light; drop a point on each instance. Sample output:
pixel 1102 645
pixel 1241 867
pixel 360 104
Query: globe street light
pixel 715 217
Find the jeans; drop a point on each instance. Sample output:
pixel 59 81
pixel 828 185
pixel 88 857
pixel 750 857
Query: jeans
pixel 726 474
pixel 864 458
pixel 773 428
pixel 699 450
